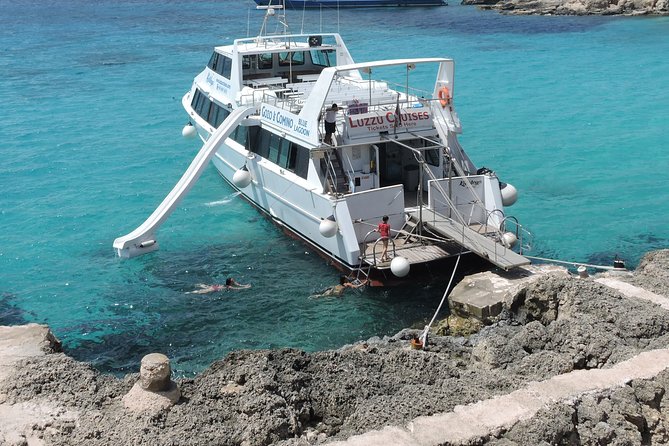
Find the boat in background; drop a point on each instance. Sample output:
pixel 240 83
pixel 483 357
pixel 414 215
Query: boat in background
pixel 313 4
pixel 259 107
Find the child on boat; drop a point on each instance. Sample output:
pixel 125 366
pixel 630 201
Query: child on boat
pixel 384 230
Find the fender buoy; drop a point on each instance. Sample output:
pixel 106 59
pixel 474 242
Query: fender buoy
pixel 444 96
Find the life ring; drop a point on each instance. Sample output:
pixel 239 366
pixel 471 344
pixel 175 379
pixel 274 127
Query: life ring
pixel 444 96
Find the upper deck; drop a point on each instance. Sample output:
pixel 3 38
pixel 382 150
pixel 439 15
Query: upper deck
pixel 291 84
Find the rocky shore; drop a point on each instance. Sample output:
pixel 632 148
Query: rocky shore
pixel 558 335
pixel 575 7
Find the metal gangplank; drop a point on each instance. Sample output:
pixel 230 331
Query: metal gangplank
pixel 479 244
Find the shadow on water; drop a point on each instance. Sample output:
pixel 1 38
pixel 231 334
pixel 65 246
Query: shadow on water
pixel 649 242
pixel 10 313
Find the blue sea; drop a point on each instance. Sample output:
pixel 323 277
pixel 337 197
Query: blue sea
pixel 573 111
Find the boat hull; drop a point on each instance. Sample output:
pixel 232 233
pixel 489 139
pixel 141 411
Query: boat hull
pixel 313 4
pixel 427 272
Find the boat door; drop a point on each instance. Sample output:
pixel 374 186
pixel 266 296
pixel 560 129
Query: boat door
pixel 390 164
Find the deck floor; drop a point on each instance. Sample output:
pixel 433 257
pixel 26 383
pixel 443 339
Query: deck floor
pixel 413 252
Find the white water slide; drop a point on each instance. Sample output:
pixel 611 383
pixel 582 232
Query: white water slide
pixel 142 240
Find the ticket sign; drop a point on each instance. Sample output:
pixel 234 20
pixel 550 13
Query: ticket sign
pixel 410 119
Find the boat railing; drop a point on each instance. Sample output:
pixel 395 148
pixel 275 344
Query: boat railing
pixel 363 248
pixel 524 237
pixel 413 97
pixel 330 173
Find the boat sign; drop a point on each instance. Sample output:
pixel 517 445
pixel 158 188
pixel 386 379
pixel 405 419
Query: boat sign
pixel 291 123
pixel 384 121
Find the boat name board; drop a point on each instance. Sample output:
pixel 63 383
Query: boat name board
pixel 219 84
pixel 383 121
pixel 293 124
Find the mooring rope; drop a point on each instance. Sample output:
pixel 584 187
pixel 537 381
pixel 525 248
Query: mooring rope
pixel 423 336
pixel 575 263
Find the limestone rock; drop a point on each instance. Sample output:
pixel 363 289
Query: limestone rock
pixel 576 7
pixel 456 325
pixel 154 391
pixel 155 372
pixel 141 400
pixel 485 295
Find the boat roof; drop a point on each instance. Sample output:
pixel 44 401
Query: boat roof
pixel 389 63
pixel 280 42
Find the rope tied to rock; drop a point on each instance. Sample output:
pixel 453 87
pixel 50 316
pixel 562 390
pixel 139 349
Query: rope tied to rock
pixel 423 335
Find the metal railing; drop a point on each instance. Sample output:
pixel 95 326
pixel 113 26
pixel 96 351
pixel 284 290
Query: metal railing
pixel 363 247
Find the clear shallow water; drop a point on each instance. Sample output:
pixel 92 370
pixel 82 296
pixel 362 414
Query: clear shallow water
pixel 572 110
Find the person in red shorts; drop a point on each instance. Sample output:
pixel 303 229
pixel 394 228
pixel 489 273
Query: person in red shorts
pixel 384 230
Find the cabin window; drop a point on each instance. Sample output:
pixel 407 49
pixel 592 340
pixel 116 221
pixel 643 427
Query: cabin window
pixel 247 61
pixel 213 61
pixel 200 104
pixel 223 113
pixel 262 145
pixel 220 64
pixel 274 148
pixel 281 152
pixel 291 152
pixel 213 113
pixel 224 67
pixel 324 58
pixel 241 135
pixel 265 61
pixel 253 138
pixel 208 110
pixel 286 59
pixel 302 161
pixel 196 102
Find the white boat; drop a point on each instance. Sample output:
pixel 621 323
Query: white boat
pixel 257 107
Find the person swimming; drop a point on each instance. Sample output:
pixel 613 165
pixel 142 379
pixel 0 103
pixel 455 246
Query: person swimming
pixel 338 290
pixel 230 284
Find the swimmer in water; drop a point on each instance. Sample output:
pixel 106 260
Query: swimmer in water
pixel 338 290
pixel 230 284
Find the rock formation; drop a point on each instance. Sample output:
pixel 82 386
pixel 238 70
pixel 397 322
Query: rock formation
pixel 562 335
pixel 575 7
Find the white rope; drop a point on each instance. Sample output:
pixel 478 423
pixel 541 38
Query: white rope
pixel 423 336
pixel 565 262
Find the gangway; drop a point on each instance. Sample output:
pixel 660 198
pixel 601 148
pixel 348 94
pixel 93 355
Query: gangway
pixel 142 240
pixel 479 244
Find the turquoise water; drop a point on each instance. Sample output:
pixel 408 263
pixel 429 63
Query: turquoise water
pixel 571 110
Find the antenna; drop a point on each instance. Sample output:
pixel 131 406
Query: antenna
pixel 248 23
pixel 271 11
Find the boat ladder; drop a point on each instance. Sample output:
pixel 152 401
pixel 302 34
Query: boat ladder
pixel 336 179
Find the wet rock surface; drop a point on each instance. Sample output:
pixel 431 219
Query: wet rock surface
pixel 289 397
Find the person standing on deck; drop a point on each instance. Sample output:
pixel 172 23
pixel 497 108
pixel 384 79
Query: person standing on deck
pixel 330 123
pixel 384 230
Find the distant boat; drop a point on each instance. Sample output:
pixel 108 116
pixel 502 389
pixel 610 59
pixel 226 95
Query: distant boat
pixel 311 4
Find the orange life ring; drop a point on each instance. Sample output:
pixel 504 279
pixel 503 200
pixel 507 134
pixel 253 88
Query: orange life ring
pixel 444 96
